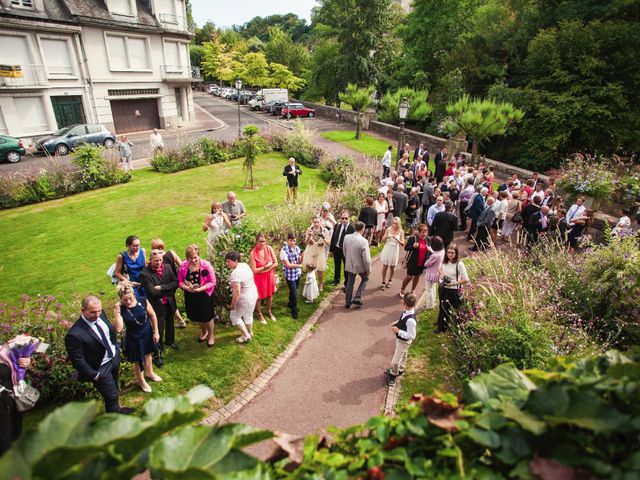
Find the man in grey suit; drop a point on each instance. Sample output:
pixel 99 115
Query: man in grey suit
pixel 400 201
pixel 357 262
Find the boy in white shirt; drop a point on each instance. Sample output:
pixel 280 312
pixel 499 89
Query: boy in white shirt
pixel 405 332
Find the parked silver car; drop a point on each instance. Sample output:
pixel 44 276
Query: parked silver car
pixel 68 138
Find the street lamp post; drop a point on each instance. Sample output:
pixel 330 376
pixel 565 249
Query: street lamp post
pixel 403 112
pixel 238 87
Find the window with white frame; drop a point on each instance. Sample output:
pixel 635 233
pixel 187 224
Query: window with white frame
pixel 22 4
pixel 167 7
pixel 57 57
pixel 33 118
pixel 127 53
pixel 15 50
pixel 122 7
pixel 175 56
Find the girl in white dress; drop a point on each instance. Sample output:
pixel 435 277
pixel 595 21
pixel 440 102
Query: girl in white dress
pixel 382 209
pixel 216 223
pixel 311 290
pixel 394 237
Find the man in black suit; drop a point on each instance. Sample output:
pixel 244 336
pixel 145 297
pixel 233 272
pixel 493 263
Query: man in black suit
pixel 421 153
pixel 292 172
pixel 160 285
pixel 93 350
pixel 538 223
pixel 444 224
pixel 336 246
pixel 476 208
pixel 485 220
pixel 440 165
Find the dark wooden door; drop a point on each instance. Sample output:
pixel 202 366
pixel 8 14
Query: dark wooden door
pixel 68 110
pixel 135 115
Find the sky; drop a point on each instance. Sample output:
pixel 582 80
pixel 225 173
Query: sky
pixel 225 13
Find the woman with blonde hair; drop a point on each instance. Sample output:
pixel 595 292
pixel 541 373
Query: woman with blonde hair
pixel 198 280
pixel 141 333
pixel 394 238
pixel 217 222
pixel 513 216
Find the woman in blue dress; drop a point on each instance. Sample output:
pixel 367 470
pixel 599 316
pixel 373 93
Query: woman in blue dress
pixel 129 264
pixel 141 333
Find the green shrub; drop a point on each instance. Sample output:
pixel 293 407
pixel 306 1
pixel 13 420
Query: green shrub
pixel 280 219
pixel 299 145
pixel 51 373
pixel 93 167
pixel 99 167
pixel 576 420
pixel 213 151
pixel 509 316
pixel 167 161
pixel 334 171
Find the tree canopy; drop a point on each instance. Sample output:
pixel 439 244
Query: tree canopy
pixel 569 65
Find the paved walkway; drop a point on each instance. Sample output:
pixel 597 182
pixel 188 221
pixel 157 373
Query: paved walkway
pixel 336 376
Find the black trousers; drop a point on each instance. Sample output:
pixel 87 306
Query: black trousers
pixel 472 229
pixel 423 214
pixel 107 383
pixel 385 171
pixel 483 238
pixel 293 295
pixel 10 423
pixel 338 263
pixel 448 297
pixel 463 215
pixel 166 325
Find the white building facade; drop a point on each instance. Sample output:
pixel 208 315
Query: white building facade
pixel 121 63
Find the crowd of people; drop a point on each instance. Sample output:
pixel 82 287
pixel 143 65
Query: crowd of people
pixel 434 205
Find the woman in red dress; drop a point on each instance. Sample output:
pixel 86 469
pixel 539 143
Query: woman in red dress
pixel 263 262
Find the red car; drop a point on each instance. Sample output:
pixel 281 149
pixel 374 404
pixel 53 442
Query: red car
pixel 297 110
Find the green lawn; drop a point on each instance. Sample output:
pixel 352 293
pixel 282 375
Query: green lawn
pixel 429 367
pixel 64 248
pixel 367 144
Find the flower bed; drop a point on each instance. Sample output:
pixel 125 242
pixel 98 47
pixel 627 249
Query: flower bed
pixel 93 167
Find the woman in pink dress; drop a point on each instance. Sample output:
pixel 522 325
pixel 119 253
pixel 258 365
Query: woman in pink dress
pixel 263 262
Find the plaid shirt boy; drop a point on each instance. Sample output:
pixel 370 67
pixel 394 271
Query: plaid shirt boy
pixel 292 254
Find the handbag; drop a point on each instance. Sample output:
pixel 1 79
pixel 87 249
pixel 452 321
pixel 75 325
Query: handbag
pixel 406 257
pixel 112 273
pixel 25 396
pixel 517 217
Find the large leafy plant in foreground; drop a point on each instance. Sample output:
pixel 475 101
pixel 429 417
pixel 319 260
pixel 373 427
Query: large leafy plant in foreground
pixel 76 442
pixel 578 420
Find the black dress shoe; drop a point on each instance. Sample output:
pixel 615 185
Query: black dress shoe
pixel 348 305
pixel 174 346
pixel 357 302
pixel 126 410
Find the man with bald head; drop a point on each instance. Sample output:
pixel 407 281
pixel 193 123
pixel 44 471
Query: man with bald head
pixel 94 352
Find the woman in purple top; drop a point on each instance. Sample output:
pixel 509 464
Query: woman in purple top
pixel 130 263
pixel 432 271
